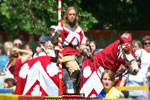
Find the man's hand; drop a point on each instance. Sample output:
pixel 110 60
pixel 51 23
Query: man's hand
pixel 43 48
pixel 15 49
pixel 89 54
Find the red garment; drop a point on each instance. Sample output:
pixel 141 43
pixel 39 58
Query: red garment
pixel 15 70
pixel 72 38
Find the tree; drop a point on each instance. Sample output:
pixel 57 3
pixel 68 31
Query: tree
pixel 119 14
pixel 36 16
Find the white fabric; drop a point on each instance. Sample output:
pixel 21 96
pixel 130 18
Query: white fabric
pixel 74 37
pixel 52 53
pixel 38 73
pixel 40 54
pixel 145 57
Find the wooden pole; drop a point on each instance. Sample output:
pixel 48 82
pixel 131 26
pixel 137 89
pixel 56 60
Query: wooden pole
pixel 60 50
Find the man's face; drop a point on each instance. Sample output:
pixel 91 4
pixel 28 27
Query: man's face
pixel 46 45
pixel 17 43
pixel 71 15
pixel 147 45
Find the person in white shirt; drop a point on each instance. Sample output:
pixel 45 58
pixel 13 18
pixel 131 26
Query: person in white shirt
pixel 146 43
pixel 45 48
pixel 140 78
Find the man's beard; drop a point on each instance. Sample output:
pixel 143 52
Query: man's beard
pixel 72 24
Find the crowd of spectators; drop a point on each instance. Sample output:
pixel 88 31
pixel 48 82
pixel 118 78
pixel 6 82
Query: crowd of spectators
pixel 17 51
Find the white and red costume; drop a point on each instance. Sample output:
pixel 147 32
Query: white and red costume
pixel 72 39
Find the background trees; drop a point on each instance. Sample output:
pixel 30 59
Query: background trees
pixel 119 14
pixel 36 16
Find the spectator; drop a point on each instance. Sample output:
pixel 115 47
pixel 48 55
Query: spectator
pixel 140 78
pixel 27 46
pixel 7 46
pixel 45 48
pixel 53 30
pixel 54 36
pixel 17 43
pixel 142 53
pixel 9 82
pixel 3 61
pixel 17 58
pixel 42 42
pixel 136 44
pixel 93 47
pixel 109 92
pixel 49 49
pixel 87 40
pixel 146 43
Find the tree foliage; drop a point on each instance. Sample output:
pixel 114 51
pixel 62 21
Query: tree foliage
pixel 36 16
pixel 119 14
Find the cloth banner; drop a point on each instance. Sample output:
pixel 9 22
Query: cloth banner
pixel 91 84
pixel 38 77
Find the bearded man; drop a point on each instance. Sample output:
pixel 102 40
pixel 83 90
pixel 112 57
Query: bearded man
pixel 74 43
